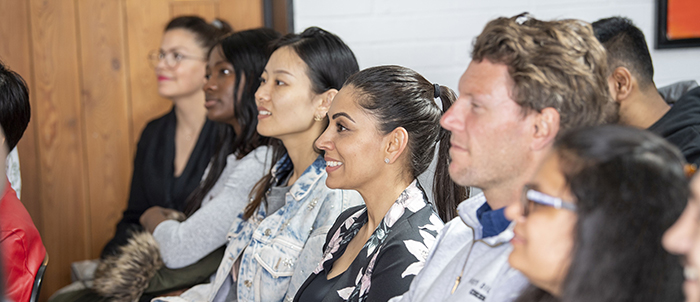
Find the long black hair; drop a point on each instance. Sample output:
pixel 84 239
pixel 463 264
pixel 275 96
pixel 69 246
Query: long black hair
pixel 629 186
pixel 329 63
pixel 248 52
pixel 400 97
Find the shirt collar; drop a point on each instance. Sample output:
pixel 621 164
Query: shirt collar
pixel 493 222
pixel 307 179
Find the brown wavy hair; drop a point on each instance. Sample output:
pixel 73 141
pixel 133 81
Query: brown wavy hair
pixel 558 64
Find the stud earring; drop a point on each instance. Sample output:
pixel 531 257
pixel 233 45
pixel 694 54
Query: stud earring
pixel 318 118
pixel 386 160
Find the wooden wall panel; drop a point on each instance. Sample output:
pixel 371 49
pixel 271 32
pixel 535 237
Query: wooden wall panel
pixel 145 21
pixel 242 14
pixel 106 111
pixel 60 137
pixel 15 52
pixel 92 91
pixel 204 9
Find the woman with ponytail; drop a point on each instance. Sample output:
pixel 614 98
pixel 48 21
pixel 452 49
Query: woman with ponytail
pixel 384 129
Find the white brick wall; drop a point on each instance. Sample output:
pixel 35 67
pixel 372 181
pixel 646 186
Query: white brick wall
pixel 434 37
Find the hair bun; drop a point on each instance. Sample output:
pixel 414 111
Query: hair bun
pixel 222 25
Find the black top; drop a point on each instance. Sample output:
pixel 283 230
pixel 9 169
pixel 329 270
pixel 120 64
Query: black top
pixel 387 263
pixel 317 287
pixel 681 125
pixel 153 182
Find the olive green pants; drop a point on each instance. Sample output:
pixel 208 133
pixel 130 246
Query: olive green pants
pixel 165 280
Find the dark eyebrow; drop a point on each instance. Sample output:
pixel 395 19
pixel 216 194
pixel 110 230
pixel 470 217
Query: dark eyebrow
pixel 339 114
pixel 532 186
pixel 284 72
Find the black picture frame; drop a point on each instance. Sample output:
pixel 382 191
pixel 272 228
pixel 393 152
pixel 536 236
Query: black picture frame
pixel 662 41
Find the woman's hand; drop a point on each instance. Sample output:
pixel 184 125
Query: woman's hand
pixel 152 217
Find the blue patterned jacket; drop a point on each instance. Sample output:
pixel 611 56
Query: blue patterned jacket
pixel 279 251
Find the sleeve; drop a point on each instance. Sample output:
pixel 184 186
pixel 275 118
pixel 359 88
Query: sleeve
pixel 184 243
pixel 197 293
pixel 138 203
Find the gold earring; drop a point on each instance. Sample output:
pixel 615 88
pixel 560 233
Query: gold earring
pixel 318 118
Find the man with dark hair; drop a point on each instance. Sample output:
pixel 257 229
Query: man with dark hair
pixel 14 118
pixel 515 98
pixel 632 86
pixel 20 243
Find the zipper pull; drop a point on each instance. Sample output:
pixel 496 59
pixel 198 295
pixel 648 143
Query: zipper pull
pixel 459 278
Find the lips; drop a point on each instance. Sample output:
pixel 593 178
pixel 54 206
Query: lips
pixel 163 78
pixel 263 113
pixel 517 239
pixel 210 103
pixel 332 164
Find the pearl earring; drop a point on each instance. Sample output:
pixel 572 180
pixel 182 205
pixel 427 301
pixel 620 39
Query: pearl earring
pixel 386 160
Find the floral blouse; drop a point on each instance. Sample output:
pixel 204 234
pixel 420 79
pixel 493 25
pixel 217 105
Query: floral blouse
pixel 392 256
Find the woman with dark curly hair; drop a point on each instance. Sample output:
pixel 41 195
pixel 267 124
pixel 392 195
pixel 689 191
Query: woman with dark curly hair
pixel 591 220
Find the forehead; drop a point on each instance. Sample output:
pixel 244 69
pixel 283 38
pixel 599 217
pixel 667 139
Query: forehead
pixel 487 80
pixel 347 100
pixel 181 39
pixel 286 59
pixel 216 55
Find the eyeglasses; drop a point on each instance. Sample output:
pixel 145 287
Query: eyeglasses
pixel 172 59
pixel 531 196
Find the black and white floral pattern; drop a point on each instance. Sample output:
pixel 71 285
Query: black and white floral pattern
pixel 392 256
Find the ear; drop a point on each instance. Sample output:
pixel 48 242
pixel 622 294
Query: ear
pixel 324 101
pixel 546 128
pixel 622 83
pixel 396 142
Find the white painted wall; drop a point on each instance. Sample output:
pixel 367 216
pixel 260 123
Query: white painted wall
pixel 434 37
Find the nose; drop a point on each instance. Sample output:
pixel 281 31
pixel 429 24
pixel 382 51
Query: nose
pixel 678 239
pixel 513 211
pixel 209 84
pixel 324 142
pixel 262 94
pixel 453 119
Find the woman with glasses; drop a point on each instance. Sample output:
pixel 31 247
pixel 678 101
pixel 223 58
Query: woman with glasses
pixel 174 149
pixel 683 238
pixel 590 223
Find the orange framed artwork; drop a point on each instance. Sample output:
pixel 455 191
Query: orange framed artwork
pixel 678 23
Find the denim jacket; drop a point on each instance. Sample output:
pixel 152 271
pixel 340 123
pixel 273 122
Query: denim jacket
pixel 279 251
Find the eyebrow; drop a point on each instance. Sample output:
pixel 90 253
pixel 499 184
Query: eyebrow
pixel 339 114
pixel 174 48
pixel 284 71
pixel 531 186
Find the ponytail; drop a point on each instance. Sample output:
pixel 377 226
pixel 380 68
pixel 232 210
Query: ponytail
pixel 447 193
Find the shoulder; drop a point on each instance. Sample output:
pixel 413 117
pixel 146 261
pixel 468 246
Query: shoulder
pixel 156 126
pixel 258 157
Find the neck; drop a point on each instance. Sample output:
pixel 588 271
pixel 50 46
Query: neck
pixel 190 111
pixel 379 196
pixel 643 108
pixel 508 191
pixel 300 148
